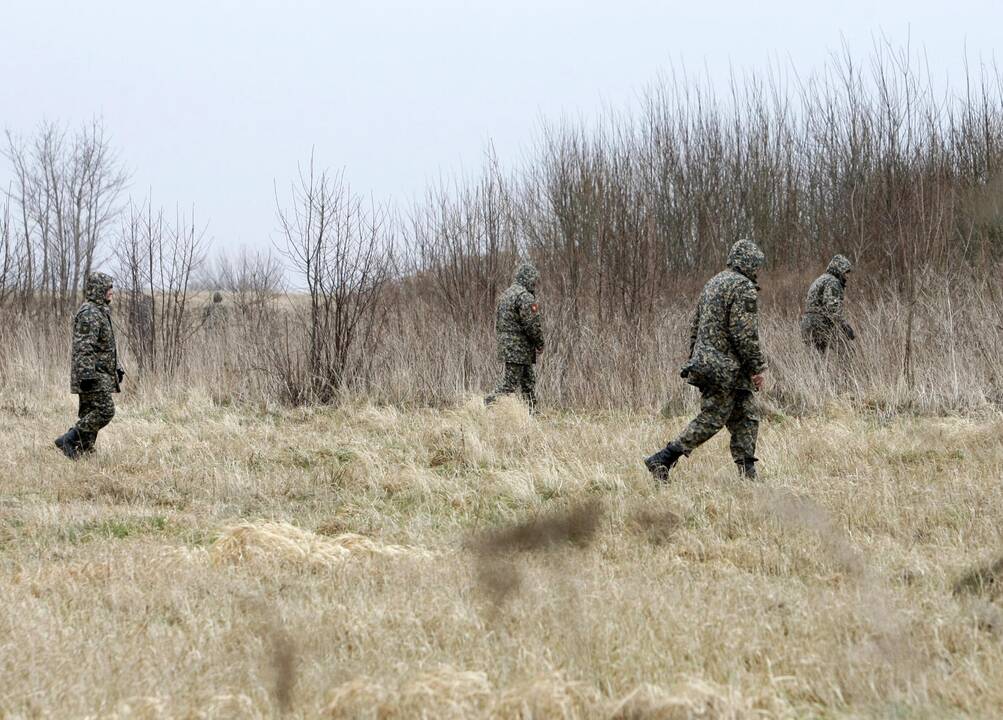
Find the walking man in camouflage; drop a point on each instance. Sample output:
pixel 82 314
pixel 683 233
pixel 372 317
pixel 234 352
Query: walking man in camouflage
pixel 726 364
pixel 823 322
pixel 95 372
pixel 519 329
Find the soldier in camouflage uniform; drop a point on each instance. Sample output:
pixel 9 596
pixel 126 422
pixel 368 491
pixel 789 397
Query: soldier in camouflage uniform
pixel 95 372
pixel 519 329
pixel 726 364
pixel 823 322
pixel 214 316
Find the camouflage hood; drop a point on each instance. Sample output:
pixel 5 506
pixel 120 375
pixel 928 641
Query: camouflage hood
pixel 746 257
pixel 528 276
pixel 97 286
pixel 839 267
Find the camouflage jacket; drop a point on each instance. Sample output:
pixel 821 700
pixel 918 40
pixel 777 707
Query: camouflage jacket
pixel 724 336
pixel 519 322
pixel 824 305
pixel 94 364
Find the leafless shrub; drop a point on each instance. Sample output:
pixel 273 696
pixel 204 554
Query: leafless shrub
pixel 157 261
pixel 342 251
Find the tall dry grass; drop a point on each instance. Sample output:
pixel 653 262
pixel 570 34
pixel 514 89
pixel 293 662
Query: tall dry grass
pixel 423 358
pixel 373 561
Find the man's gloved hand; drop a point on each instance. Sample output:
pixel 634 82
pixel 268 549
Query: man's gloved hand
pixel 849 333
pixel 120 371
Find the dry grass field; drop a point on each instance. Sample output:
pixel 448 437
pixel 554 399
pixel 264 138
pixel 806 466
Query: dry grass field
pixel 304 510
pixel 370 562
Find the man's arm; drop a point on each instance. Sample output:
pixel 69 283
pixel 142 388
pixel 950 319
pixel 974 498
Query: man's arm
pixel 832 305
pixel 86 337
pixel 743 329
pixel 532 321
pixel 832 301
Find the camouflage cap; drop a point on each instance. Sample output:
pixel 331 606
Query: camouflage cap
pixel 97 286
pixel 840 266
pixel 527 275
pixel 746 258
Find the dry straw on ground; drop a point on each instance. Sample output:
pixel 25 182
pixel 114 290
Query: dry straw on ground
pixel 287 544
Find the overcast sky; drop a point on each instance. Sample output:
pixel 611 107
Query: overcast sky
pixel 212 102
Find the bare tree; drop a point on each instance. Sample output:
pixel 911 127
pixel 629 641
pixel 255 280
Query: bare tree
pixel 341 248
pixel 66 191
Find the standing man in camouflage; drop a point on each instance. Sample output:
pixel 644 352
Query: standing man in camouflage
pixel 214 316
pixel 95 372
pixel 726 364
pixel 519 329
pixel 823 322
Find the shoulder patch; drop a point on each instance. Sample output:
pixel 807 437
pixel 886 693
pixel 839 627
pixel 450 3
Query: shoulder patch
pixel 534 308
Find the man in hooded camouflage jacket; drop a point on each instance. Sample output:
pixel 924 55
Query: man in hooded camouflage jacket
pixel 519 330
pixel 95 372
pixel 726 364
pixel 823 322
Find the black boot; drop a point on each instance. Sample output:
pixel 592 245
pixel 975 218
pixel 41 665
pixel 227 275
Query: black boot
pixel 69 443
pixel 663 461
pixel 747 469
pixel 87 441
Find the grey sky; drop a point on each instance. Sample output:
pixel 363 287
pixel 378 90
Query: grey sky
pixel 211 102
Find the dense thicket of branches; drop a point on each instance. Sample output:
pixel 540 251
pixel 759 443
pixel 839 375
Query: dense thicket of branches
pixel 625 217
pixel 157 262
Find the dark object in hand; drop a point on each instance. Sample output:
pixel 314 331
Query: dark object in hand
pixel 850 334
pixel 121 374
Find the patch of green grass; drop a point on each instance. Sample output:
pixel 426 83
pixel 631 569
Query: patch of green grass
pixel 112 529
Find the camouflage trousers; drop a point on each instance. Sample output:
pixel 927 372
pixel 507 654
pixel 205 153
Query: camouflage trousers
pixel 517 377
pixel 96 410
pixel 818 332
pixel 734 409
